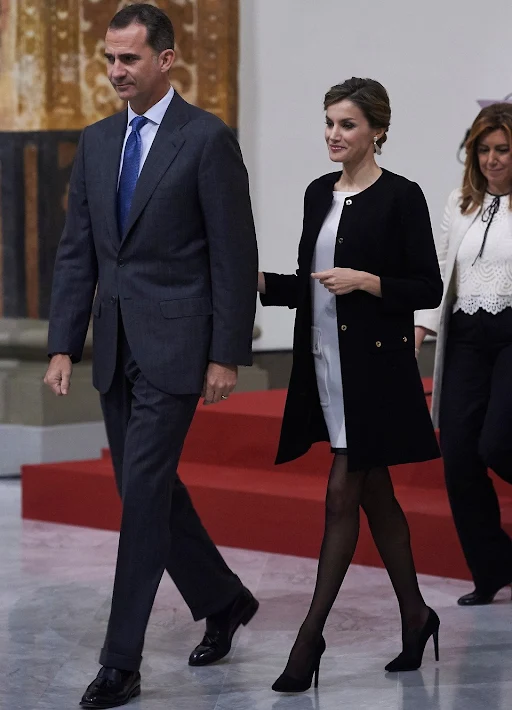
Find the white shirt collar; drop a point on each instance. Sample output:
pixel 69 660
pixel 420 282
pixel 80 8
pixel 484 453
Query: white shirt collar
pixel 156 113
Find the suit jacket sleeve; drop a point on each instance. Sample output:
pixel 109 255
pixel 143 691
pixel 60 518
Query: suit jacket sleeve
pixel 75 272
pixel 229 224
pixel 429 319
pixel 421 285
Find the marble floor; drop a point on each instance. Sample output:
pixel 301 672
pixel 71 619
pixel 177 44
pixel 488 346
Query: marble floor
pixel 54 600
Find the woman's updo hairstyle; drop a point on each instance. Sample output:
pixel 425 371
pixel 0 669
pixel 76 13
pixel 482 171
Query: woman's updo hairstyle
pixel 369 96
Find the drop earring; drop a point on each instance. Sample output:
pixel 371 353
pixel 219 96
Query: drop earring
pixel 377 146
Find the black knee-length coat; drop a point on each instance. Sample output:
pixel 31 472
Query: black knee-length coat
pixel 384 230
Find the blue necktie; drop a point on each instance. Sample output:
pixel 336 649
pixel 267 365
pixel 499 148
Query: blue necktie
pixel 129 172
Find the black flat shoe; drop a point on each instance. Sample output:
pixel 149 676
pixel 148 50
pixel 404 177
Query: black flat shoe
pixel 412 655
pixel 477 598
pixel 289 684
pixel 111 688
pixel 221 628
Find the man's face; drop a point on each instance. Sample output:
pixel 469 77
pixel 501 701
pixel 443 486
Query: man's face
pixel 134 69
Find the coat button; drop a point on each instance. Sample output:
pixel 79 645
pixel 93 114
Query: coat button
pixel 113 300
pixel 378 344
pixel 404 339
pixel 120 262
pixel 348 202
pixel 340 240
pixel 343 327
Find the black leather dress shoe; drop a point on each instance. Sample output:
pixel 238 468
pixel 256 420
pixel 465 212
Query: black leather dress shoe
pixel 221 628
pixel 111 688
pixel 477 598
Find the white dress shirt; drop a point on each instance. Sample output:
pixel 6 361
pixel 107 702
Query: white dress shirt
pixel 148 132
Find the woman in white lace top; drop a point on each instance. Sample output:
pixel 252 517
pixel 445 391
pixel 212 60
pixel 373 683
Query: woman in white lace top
pixel 472 399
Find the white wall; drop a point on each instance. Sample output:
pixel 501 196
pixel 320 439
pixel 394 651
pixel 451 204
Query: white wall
pixel 435 58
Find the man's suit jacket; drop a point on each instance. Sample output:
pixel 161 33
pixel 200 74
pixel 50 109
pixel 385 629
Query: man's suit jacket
pixel 183 276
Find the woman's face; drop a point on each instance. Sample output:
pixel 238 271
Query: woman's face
pixel 495 160
pixel 348 134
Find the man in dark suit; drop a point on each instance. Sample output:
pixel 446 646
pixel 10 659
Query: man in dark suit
pixel 167 263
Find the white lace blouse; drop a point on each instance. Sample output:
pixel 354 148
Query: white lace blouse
pixel 486 282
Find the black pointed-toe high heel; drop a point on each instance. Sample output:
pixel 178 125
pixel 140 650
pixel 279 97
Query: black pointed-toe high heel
pixel 288 684
pixel 412 655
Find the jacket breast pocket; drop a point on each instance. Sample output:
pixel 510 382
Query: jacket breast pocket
pixel 186 307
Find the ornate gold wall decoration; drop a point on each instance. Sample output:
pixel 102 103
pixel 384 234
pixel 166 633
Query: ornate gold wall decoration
pixel 53 83
pixel 31 229
pixel 217 58
pixel 53 73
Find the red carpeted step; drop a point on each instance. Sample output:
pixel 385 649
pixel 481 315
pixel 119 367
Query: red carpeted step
pixel 73 493
pixel 246 501
pixel 249 508
pixel 244 432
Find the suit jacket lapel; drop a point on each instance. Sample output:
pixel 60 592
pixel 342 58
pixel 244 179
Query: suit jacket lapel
pixel 164 149
pixel 112 159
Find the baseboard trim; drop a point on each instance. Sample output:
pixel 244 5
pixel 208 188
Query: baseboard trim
pixel 21 444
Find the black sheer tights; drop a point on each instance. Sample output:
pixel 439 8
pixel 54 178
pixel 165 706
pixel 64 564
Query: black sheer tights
pixel 346 492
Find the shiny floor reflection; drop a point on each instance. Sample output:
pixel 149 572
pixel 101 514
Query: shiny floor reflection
pixel 54 600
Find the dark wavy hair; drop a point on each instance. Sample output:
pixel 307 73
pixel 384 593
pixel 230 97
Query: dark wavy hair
pixel 492 118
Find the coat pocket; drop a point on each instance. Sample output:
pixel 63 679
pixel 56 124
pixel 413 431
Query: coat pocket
pixel 392 342
pixel 322 366
pixel 183 307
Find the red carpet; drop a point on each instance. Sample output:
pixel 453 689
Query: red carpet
pixel 245 501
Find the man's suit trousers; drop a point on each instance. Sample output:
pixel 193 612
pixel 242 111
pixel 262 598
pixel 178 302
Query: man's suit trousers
pixel 160 528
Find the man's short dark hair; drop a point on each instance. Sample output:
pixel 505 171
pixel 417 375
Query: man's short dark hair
pixel 159 27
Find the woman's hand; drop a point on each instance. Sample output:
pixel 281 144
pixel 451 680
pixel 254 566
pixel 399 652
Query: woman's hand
pixel 339 281
pixel 262 287
pixel 342 281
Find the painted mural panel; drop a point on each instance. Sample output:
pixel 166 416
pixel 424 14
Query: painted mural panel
pixel 53 83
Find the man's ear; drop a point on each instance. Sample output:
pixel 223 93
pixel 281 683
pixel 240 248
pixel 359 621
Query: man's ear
pixel 166 59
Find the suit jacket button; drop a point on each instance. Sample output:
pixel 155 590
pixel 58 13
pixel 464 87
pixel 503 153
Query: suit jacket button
pixel 113 300
pixel 120 262
pixel 343 327
pixel 348 202
pixel 404 339
pixel 340 240
pixel 378 344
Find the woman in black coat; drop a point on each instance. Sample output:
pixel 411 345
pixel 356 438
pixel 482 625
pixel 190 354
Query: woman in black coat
pixel 366 262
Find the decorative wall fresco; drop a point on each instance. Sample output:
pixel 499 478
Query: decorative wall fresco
pixel 53 83
pixel 53 70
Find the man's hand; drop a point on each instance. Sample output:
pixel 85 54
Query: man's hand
pixel 58 375
pixel 219 382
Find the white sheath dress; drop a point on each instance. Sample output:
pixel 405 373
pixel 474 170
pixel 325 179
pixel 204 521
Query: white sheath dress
pixel 324 336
